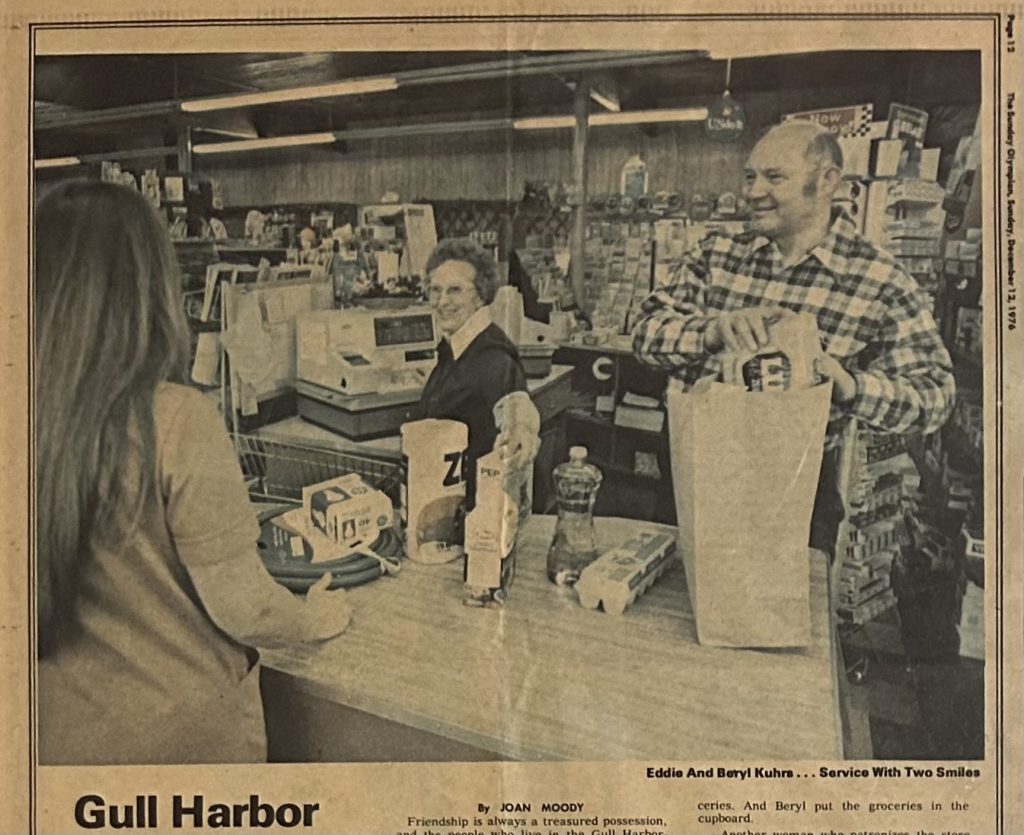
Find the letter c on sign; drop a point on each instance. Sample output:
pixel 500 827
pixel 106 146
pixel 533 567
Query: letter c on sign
pixel 602 368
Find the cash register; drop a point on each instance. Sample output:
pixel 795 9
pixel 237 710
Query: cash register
pixel 360 369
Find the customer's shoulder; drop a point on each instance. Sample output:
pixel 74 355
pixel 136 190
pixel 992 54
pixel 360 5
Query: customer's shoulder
pixel 175 404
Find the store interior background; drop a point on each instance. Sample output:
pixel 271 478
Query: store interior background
pixel 922 698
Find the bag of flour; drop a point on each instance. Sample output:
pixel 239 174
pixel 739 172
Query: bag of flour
pixel 434 489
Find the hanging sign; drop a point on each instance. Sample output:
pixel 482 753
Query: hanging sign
pixel 842 121
pixel 907 123
pixel 726 120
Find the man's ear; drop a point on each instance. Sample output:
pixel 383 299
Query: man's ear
pixel 831 177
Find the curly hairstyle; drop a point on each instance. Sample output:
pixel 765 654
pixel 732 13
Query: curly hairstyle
pixel 470 252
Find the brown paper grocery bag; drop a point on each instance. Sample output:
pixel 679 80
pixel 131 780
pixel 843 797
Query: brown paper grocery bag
pixel 745 467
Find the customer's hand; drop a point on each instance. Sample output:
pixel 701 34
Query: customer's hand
pixel 518 445
pixel 844 386
pixel 329 610
pixel 741 331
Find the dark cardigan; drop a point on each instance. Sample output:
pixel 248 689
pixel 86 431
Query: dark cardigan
pixel 466 389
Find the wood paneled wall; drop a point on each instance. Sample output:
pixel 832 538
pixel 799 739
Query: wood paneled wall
pixel 494 166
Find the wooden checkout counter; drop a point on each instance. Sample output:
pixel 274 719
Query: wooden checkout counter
pixel 418 676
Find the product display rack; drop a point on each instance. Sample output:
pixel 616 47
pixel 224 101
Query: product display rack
pixel 880 490
pixel 618 258
pixel 893 486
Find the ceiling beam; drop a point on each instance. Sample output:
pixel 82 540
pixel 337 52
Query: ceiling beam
pixel 519 66
pixel 641 117
pixel 514 66
pixel 84 118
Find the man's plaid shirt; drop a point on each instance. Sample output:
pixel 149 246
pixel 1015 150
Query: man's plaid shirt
pixel 872 316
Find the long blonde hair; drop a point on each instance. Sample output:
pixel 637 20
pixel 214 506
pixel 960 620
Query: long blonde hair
pixel 109 327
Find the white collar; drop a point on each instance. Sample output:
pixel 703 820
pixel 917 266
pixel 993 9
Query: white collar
pixel 475 325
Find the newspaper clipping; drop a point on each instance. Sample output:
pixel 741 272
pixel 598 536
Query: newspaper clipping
pixel 512 418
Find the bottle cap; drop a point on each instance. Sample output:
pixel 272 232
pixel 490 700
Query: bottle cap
pixel 577 453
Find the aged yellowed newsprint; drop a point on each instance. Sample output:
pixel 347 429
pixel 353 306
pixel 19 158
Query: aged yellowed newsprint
pixel 771 750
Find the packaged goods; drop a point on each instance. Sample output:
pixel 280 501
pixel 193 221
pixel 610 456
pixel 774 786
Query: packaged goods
pixel 297 554
pixel 434 489
pixel 619 576
pixel 787 362
pixel 347 510
pixel 574 545
pixel 491 530
pixel 870 609
pixel 633 181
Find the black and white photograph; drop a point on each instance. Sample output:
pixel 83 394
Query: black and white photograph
pixel 482 402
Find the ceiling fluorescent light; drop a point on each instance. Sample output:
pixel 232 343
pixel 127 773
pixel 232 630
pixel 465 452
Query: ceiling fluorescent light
pixel 351 87
pixel 56 162
pixel 544 123
pixel 606 102
pixel 635 117
pixel 647 117
pixel 264 144
pixel 235 134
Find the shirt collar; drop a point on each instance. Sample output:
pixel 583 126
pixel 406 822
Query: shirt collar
pixel 829 251
pixel 475 325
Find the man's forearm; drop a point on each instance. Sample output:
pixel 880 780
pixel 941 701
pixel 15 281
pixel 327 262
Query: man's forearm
pixel 903 403
pixel 670 338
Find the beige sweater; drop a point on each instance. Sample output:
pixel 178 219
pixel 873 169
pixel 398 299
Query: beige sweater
pixel 152 679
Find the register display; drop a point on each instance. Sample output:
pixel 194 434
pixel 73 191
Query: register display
pixel 402 330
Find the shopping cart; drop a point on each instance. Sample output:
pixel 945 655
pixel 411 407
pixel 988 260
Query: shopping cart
pixel 276 471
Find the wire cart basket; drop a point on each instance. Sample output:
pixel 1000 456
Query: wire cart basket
pixel 276 471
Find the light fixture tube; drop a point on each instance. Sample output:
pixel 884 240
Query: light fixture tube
pixel 634 117
pixel 647 117
pixel 56 162
pixel 235 134
pixel 325 138
pixel 543 123
pixel 350 87
pixel 605 102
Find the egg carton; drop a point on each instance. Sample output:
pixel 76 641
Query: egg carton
pixel 619 576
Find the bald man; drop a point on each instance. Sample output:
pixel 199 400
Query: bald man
pixel 882 347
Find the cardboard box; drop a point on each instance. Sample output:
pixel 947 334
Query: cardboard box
pixel 856 156
pixel 885 157
pixel 491 530
pixel 929 165
pixel 617 577
pixel 347 510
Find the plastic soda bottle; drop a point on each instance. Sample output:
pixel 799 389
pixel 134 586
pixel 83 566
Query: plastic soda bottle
pixel 574 545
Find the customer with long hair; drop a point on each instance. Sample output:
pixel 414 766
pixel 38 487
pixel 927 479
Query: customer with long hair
pixel 149 585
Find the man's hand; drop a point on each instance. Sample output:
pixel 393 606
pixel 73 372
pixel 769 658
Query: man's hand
pixel 741 331
pixel 844 386
pixel 518 445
